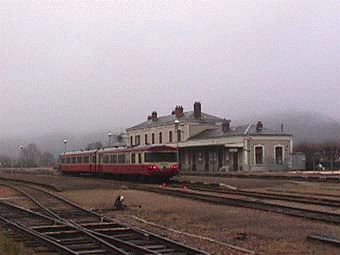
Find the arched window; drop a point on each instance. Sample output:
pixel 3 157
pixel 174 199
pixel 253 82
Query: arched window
pixel 179 135
pixel 160 137
pixel 153 138
pixel 259 154
pixel 278 154
pixel 146 139
pixel 131 140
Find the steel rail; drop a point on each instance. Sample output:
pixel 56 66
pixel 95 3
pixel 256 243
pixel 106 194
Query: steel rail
pixel 165 241
pixel 259 205
pixel 324 239
pixel 68 224
pixel 47 241
pixel 264 195
pixel 98 236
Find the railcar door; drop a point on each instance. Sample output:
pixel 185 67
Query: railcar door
pixel 94 163
pixel 100 164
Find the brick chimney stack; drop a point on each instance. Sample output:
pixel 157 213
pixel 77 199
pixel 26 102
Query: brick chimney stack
pixel 197 110
pixel 226 125
pixel 154 116
pixel 259 126
pixel 179 110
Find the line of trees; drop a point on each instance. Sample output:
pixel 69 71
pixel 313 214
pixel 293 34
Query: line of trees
pixel 30 156
pixel 328 154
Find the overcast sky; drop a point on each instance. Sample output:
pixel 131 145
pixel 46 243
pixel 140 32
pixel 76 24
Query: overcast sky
pixel 82 65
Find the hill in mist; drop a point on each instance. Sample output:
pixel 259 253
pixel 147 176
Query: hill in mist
pixel 305 126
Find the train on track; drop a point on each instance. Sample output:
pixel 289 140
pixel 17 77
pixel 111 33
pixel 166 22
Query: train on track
pixel 142 162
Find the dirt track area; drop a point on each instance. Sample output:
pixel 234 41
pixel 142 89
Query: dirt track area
pixel 266 233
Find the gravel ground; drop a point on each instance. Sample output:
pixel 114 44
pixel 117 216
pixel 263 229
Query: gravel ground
pixel 267 233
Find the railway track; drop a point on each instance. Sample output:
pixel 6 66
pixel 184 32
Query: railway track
pixel 298 198
pixel 64 227
pixel 322 216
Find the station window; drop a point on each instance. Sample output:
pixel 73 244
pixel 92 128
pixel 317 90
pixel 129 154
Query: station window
pixel 259 155
pixel 86 160
pixel 170 136
pixel 80 160
pixel 179 138
pixel 146 139
pixel 279 155
pixel 160 137
pixel 133 158
pixel 131 140
pixel 153 138
pixel 137 140
pixel 106 159
pixel 113 159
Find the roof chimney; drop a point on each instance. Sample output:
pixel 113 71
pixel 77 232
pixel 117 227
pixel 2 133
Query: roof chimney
pixel 149 117
pixel 226 125
pixel 154 116
pixel 197 110
pixel 179 110
pixel 259 126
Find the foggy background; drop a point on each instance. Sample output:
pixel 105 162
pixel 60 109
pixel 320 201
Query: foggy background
pixel 78 69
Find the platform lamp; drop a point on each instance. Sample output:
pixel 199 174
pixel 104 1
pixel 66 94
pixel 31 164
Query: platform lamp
pixel 109 135
pixel 176 131
pixel 21 155
pixel 65 142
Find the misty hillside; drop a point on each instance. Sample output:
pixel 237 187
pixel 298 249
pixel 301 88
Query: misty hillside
pixel 54 142
pixel 309 127
pixel 305 126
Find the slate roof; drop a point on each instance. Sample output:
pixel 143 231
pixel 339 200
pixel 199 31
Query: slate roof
pixel 187 117
pixel 247 130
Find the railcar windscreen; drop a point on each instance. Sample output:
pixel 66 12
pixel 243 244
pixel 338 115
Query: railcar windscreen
pixel 160 157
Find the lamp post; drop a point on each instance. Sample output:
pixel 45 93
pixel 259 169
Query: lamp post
pixel 109 135
pixel 65 142
pixel 21 155
pixel 176 131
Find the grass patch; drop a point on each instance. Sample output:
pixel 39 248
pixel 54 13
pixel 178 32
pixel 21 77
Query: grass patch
pixel 8 247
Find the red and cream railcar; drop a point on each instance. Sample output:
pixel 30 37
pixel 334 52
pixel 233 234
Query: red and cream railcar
pixel 144 161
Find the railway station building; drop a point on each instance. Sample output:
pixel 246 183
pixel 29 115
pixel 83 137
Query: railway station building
pixel 209 144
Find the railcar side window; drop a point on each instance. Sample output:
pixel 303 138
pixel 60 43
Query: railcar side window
pixel 79 160
pixel 63 160
pixel 160 157
pixel 113 159
pixel 133 158
pixel 74 160
pixel 68 160
pixel 86 159
pixel 94 159
pixel 121 159
pixel 106 159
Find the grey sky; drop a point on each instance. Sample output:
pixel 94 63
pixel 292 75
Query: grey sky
pixel 82 65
